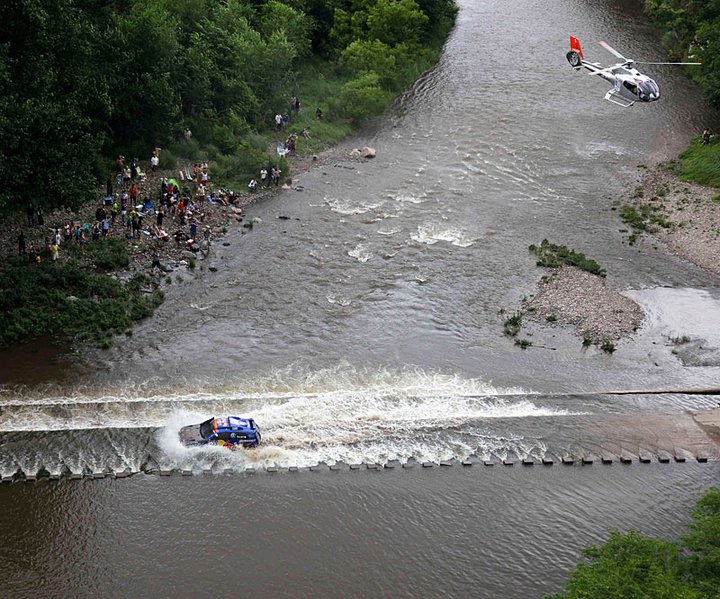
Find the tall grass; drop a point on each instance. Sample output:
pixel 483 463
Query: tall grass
pixel 701 163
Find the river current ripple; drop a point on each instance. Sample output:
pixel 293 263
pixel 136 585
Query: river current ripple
pixel 366 326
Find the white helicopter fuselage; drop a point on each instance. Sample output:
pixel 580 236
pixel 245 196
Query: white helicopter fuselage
pixel 628 84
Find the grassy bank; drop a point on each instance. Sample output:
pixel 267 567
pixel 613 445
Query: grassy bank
pixel 700 163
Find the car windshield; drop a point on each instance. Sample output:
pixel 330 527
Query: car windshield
pixel 206 428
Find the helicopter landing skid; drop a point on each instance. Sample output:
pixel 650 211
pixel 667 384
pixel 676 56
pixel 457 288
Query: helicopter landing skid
pixel 614 97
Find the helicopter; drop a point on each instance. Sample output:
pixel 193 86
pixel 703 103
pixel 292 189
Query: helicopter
pixel 629 84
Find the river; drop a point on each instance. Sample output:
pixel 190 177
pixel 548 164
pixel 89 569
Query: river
pixel 360 321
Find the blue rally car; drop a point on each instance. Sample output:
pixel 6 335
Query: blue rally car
pixel 229 432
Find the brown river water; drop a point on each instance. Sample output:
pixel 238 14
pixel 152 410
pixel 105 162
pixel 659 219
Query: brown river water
pixel 364 327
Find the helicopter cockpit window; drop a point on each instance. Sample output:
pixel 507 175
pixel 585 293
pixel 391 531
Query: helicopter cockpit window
pixel 648 89
pixel 631 87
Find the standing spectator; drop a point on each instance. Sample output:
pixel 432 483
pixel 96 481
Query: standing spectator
pixel 133 168
pixel 108 187
pixel 285 120
pixel 706 137
pixel 278 122
pixel 252 186
pixel 263 177
pixel 54 251
pixel 154 162
pixel 21 244
pixel 133 194
pixel 318 114
pixel 159 215
pixel 31 215
pixel 39 215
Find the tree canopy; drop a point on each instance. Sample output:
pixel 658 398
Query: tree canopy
pixel 632 566
pixel 82 80
pixel 691 31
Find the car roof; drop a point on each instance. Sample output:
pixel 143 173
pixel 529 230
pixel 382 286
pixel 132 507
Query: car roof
pixel 230 423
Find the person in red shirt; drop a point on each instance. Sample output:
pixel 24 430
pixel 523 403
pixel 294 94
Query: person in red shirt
pixel 133 193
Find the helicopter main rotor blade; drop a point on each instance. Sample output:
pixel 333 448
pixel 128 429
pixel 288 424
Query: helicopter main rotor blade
pixel 695 63
pixel 612 50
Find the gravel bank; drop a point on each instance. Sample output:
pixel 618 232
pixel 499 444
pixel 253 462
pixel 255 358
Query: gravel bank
pixel 592 304
pixel 694 234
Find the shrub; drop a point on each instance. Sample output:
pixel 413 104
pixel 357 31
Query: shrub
pixel 363 97
pixel 553 256
pixel 512 325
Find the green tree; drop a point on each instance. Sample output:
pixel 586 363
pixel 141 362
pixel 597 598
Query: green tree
pixel 703 542
pixel 50 84
pixel 363 97
pixel 276 16
pixel 632 566
pixel 369 56
pixel 629 566
pixel 396 21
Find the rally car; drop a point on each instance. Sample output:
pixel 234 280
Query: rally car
pixel 230 432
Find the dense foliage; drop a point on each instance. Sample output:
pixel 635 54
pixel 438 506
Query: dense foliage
pixel 82 80
pixel 633 566
pixel 68 301
pixel 691 31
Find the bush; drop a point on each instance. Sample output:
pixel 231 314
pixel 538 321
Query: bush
pixel 363 98
pixel 633 566
pixel 66 302
pixel 553 256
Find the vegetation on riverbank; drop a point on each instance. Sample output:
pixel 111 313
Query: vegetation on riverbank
pixel 690 30
pixel 85 80
pixel 552 255
pixel 70 302
pixel 700 163
pixel 634 566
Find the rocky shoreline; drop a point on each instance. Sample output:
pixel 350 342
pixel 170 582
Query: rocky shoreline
pixel 220 219
pixel 690 213
pixel 685 219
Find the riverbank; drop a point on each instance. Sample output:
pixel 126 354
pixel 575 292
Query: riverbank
pixel 683 215
pixel 663 207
